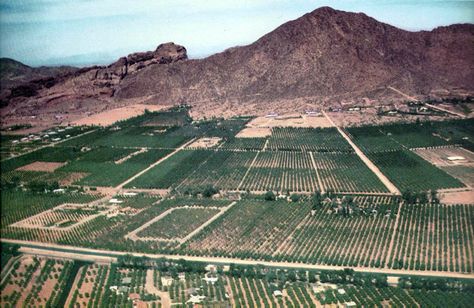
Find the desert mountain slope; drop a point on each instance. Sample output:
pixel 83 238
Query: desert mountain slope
pixel 325 52
pixel 321 54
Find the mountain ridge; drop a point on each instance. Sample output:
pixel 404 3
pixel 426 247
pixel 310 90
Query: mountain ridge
pixel 323 54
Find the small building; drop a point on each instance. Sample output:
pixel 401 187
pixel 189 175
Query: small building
pixel 350 304
pixel 115 201
pixel 341 291
pixel 271 115
pixel 59 191
pixel 182 276
pixel 393 281
pixel 210 279
pixel 277 293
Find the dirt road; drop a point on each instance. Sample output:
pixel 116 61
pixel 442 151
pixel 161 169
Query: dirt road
pixel 150 288
pixel 394 190
pixel 429 105
pixel 120 186
pixel 95 255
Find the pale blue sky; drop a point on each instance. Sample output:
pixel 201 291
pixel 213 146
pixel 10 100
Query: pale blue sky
pixel 84 32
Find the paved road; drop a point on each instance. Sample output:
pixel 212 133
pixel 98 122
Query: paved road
pixel 394 190
pixel 97 255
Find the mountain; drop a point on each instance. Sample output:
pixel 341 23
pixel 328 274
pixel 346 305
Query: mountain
pixel 16 75
pixel 321 55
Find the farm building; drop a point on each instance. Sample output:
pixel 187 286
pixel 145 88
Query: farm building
pixel 455 158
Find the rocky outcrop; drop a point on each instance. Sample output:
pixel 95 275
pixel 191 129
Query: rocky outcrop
pixel 110 76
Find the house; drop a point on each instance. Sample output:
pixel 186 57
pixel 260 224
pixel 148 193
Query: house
pixel 122 289
pixel 166 281
pixel 129 194
pixel 210 279
pixel 211 268
pixel 127 280
pixel 277 293
pixel 271 115
pixel 196 299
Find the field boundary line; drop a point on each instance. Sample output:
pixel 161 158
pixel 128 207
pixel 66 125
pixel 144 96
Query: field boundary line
pixel 390 186
pixel 247 172
pixel 80 253
pixel 321 186
pixel 133 235
pixel 207 223
pixel 120 186
pixel 394 235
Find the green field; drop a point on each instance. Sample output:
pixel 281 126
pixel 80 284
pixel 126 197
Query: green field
pixel 409 171
pixel 178 223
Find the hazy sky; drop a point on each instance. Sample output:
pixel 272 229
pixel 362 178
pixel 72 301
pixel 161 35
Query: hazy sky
pixel 83 32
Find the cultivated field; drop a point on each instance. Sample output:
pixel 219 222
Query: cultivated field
pixel 162 183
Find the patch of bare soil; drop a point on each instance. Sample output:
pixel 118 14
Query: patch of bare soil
pixel 439 156
pixel 109 117
pixel 254 132
pixel 457 197
pixel 41 166
pixel 72 177
pixel 205 143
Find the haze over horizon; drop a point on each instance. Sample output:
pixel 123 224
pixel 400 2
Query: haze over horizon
pixel 68 32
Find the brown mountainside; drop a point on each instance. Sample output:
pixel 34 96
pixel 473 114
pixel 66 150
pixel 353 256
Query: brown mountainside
pixel 321 54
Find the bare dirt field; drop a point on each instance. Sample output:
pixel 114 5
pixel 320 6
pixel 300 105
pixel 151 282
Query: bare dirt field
pixel 254 132
pixel 290 120
pixel 205 143
pixel 109 117
pixel 41 166
pixel 457 197
pixel 72 177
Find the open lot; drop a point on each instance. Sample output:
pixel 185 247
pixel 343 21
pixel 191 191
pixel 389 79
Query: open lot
pixel 111 116
pixel 290 120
